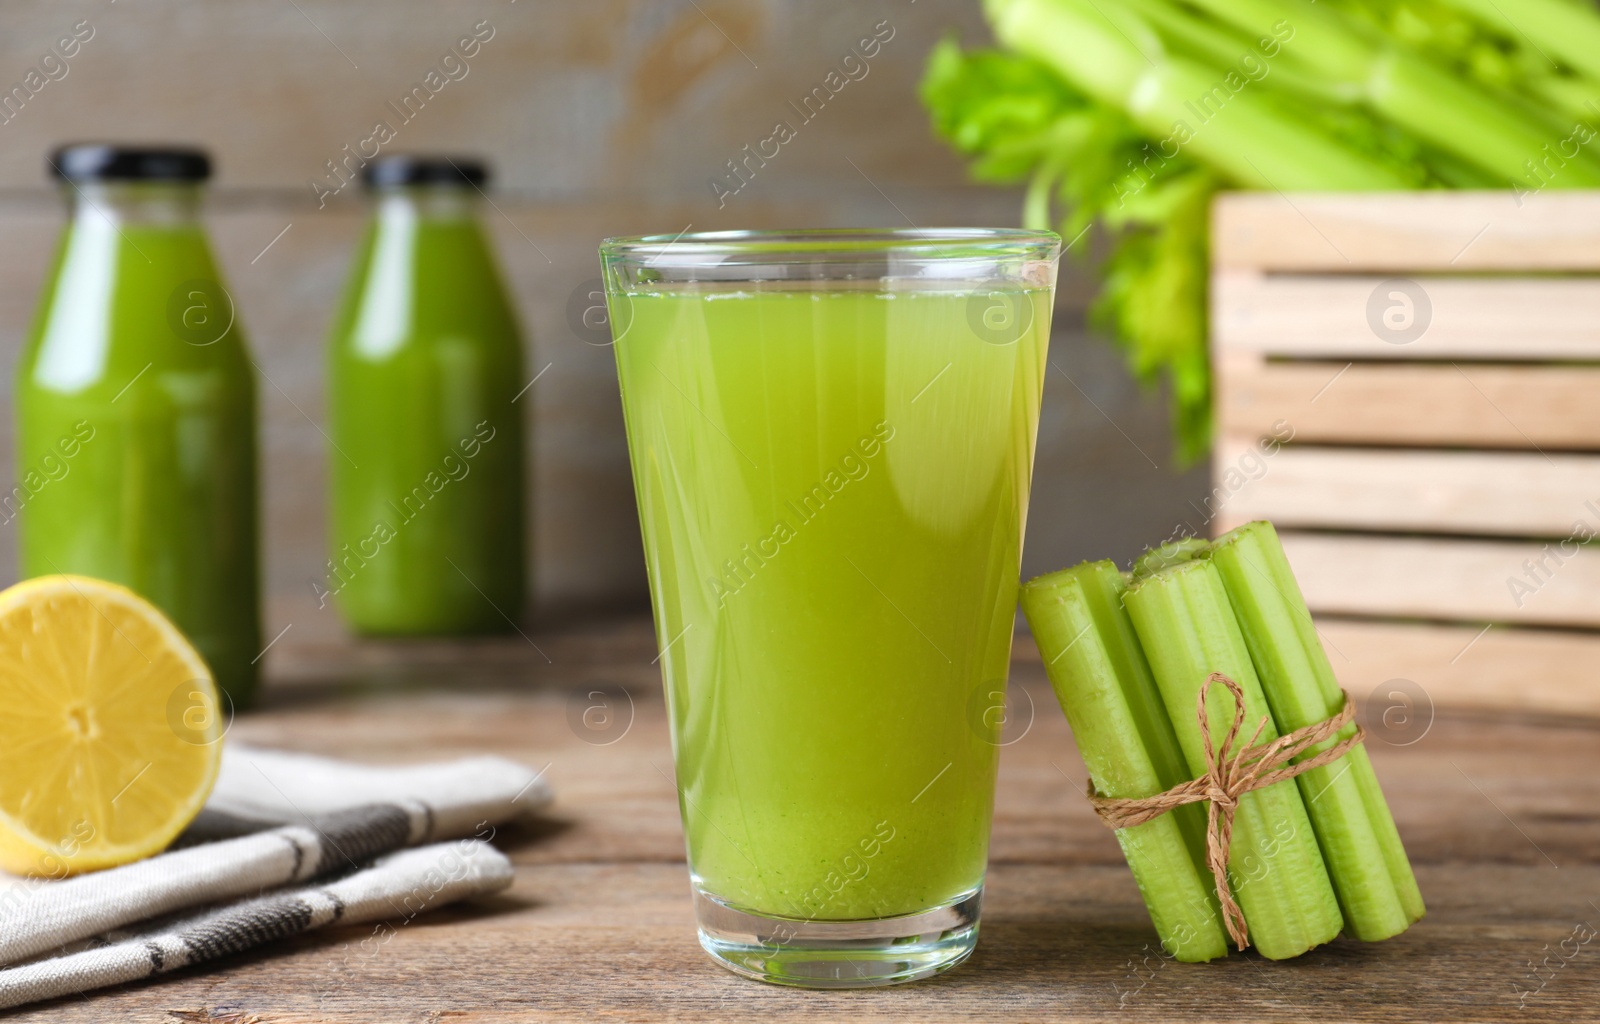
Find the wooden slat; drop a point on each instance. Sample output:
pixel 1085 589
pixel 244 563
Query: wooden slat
pixel 1513 494
pixel 1528 670
pixel 1452 580
pixel 1471 317
pixel 1409 231
pixel 1544 406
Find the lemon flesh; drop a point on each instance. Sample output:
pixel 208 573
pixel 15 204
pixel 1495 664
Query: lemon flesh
pixel 110 727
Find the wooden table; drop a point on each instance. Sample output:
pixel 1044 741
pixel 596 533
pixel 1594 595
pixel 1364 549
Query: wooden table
pixel 1499 816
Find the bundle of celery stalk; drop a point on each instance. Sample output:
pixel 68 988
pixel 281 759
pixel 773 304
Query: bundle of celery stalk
pixel 1134 112
pixel 1127 655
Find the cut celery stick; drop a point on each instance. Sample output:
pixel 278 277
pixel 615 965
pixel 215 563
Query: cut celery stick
pixel 1104 686
pixel 1187 630
pixel 1355 830
pixel 1170 553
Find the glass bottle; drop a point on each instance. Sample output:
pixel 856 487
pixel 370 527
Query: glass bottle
pixel 424 381
pixel 135 399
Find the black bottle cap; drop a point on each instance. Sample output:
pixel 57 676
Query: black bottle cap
pixel 100 161
pixel 412 169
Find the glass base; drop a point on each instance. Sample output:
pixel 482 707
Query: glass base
pixel 838 954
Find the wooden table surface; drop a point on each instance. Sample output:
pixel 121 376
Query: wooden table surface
pixel 1499 817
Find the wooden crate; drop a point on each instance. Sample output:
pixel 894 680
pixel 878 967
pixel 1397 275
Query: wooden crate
pixel 1433 478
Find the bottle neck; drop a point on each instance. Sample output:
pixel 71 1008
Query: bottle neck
pixel 135 202
pixel 434 203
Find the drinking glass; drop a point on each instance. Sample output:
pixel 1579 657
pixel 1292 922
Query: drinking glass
pixel 832 436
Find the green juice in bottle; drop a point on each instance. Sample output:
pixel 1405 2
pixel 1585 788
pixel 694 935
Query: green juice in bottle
pixel 135 399
pixel 425 384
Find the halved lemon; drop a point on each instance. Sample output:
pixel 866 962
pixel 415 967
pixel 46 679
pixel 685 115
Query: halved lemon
pixel 110 727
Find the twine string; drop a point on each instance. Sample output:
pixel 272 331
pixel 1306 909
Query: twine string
pixel 1233 770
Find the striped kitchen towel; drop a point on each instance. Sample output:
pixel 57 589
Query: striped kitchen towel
pixel 273 819
pixel 398 885
pixel 256 788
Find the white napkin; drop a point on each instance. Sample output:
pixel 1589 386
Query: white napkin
pixel 400 884
pixel 287 819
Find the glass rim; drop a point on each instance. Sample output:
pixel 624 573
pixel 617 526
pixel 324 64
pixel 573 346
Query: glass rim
pixel 830 245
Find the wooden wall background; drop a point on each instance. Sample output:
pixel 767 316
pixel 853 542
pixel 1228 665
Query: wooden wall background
pixel 600 117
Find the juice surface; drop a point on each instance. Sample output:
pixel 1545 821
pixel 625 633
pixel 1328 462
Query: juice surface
pixel 832 486
pixel 136 453
pixel 427 458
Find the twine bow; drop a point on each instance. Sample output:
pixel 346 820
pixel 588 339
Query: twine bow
pixel 1227 778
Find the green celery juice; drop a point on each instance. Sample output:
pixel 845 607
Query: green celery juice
pixel 135 403
pixel 426 465
pixel 832 483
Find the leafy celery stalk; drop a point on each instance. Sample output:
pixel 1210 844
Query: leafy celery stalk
pixel 1113 56
pixel 1354 828
pixel 1407 88
pixel 1187 629
pixel 1568 30
pixel 1104 686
